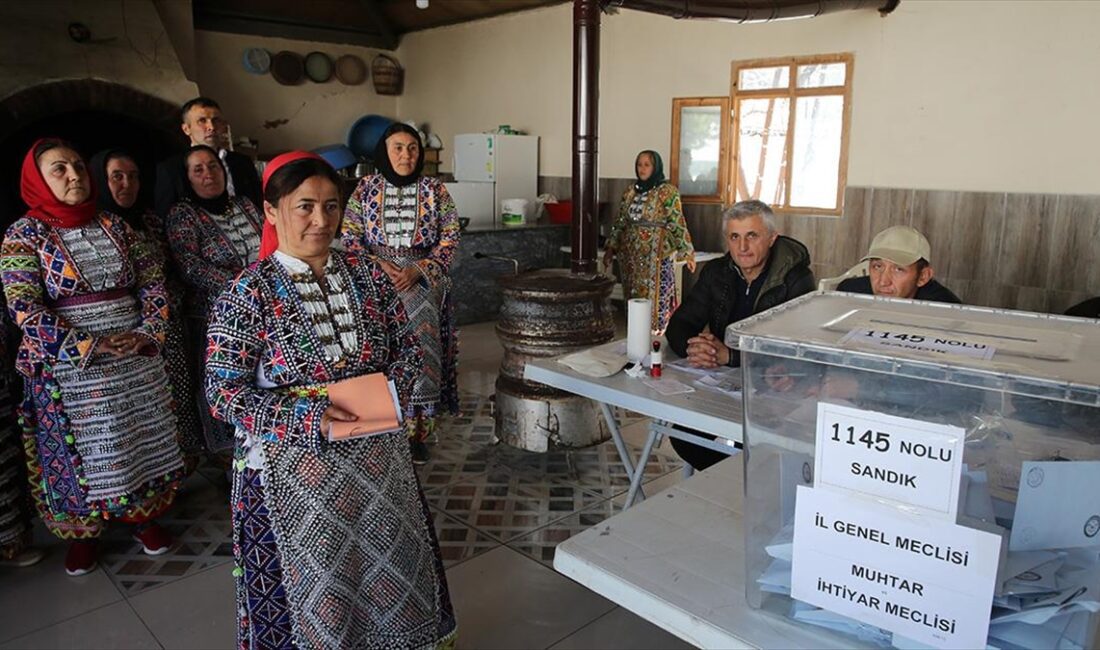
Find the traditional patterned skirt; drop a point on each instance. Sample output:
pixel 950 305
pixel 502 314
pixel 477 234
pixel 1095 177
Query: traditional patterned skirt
pixel 105 440
pixel 336 549
pixel 645 274
pixel 431 316
pixel 188 421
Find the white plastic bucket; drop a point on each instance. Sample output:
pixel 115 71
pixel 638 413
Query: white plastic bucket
pixel 513 212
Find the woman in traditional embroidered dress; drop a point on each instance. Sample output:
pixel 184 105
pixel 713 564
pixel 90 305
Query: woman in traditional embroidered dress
pixel 333 539
pixel 213 237
pixel 408 223
pixel 89 299
pixel 118 191
pixel 649 235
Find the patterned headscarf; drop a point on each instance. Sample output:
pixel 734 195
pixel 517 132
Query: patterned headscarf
pixel 656 178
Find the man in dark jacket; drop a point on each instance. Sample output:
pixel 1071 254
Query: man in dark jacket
pixel 761 269
pixel 202 122
pixel 899 267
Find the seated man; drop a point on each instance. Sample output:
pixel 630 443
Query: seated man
pixel 899 267
pixel 761 270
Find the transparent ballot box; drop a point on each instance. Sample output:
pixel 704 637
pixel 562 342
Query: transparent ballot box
pixel 922 474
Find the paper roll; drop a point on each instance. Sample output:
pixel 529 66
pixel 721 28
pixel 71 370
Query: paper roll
pixel 638 320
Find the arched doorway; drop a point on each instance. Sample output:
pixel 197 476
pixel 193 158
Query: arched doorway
pixel 94 115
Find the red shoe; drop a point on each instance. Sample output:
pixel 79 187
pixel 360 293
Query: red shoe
pixel 154 539
pixel 81 557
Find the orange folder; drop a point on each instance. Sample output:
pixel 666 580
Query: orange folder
pixel 373 399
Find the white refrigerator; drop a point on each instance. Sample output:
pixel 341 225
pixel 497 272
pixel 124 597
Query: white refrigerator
pixel 473 201
pixel 510 163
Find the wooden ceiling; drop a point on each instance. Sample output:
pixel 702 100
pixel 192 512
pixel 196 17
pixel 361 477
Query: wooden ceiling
pixel 371 23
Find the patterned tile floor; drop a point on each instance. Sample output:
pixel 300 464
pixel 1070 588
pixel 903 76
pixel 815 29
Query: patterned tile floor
pixel 486 498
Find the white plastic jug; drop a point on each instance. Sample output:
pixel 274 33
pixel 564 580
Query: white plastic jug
pixel 513 212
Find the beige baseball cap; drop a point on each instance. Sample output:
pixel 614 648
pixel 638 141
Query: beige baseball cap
pixel 902 245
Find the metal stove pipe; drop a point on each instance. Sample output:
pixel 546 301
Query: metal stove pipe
pixel 586 124
pixel 750 11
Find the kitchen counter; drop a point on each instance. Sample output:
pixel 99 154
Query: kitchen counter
pixel 474 230
pixel 475 293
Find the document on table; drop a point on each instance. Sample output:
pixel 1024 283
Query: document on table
pixel 372 399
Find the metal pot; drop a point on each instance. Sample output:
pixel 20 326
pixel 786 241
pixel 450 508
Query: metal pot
pixel 547 313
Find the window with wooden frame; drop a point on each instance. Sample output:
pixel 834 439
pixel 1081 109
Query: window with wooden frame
pixel 790 132
pixel 699 164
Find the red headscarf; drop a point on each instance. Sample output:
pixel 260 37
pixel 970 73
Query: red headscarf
pixel 269 241
pixel 46 207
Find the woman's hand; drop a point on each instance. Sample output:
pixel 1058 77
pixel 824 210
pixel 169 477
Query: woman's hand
pixel 690 264
pixel 608 255
pixel 335 414
pixel 403 278
pixel 120 345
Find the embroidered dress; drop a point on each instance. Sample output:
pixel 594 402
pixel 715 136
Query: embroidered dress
pixel 415 224
pixel 333 540
pixel 210 250
pixel 99 430
pixel 180 374
pixel 649 234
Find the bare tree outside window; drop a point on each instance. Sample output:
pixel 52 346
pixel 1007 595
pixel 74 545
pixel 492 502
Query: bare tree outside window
pixel 791 132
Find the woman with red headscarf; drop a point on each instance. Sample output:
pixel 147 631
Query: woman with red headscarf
pixel 99 429
pixel 333 539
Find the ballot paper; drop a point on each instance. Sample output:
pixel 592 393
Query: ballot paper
pixel 840 623
pixel 726 382
pixel 1039 579
pixel 782 545
pixel 1050 509
pixel 372 399
pixel 776 578
pixel 1078 593
pixel 1019 562
pixel 1067 632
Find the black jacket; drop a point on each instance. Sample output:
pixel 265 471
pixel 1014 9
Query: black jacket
pixel 710 301
pixel 932 292
pixel 169 189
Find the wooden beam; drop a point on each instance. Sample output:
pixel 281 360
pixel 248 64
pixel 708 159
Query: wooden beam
pixel 241 23
pixel 381 23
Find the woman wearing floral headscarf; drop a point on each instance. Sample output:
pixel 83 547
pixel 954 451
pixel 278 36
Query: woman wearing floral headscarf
pixel 648 236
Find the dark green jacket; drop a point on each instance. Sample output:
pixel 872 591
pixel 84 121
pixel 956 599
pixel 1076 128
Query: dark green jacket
pixel 710 302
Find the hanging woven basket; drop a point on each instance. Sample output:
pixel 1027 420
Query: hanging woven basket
pixel 388 75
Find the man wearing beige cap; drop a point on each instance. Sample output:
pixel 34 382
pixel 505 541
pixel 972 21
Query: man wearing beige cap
pixel 899 267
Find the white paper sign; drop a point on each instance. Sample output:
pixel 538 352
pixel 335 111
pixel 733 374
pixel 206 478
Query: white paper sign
pixel 911 462
pixel 928 344
pixel 925 579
